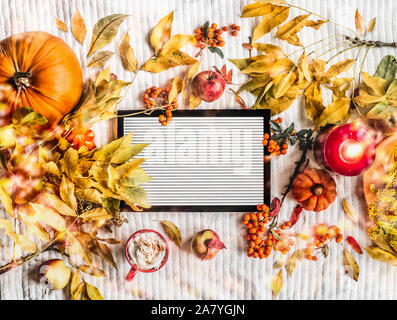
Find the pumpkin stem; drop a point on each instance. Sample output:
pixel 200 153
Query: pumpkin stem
pixel 21 80
pixel 317 189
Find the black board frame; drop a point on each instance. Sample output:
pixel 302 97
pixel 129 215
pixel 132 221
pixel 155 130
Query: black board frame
pixel 264 113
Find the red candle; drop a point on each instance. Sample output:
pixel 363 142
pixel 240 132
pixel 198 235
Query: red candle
pixel 347 149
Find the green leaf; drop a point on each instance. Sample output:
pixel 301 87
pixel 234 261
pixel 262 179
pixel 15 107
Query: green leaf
pixel 387 68
pixel 104 31
pixel 135 195
pixel 112 206
pixel 217 51
pixel 381 111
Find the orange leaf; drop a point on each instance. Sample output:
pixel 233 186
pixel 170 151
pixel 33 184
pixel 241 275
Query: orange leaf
pixel 61 25
pixel 360 24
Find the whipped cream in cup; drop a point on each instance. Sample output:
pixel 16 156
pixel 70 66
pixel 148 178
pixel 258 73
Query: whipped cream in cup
pixel 146 251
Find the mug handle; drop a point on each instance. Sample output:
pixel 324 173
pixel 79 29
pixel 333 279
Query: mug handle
pixel 131 274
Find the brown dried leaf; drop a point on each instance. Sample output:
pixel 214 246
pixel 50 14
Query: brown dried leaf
pixel 61 25
pixel 79 29
pixel 277 283
pixel 349 210
pixel 315 24
pixel 351 265
pixel 360 24
pixel 172 231
pixel 128 58
pixel 371 24
pixel 338 68
pixel 99 59
pixel 104 252
pixel 105 30
pixel 290 264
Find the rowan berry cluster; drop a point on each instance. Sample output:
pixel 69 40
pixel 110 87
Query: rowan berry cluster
pixel 322 236
pixel 80 138
pixel 157 97
pixel 261 239
pixel 277 142
pixel 210 35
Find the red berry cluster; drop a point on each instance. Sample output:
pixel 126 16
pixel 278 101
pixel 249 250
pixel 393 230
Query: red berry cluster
pixel 157 97
pixel 80 138
pixel 322 235
pixel 212 37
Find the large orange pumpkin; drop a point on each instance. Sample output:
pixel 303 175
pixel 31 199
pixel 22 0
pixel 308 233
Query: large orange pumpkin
pixel 40 71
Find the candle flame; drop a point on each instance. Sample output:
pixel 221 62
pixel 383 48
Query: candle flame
pixel 351 150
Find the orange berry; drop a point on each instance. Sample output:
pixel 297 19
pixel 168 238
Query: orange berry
pixel 198 31
pixel 266 136
pixel 198 37
pixel 219 31
pixel 234 33
pixel 161 117
pixel 237 28
pixel 250 250
pixel 164 123
pixel 252 230
pixel 284 151
pixel 233 26
pixel 214 25
pixel 225 28
pixel 285 146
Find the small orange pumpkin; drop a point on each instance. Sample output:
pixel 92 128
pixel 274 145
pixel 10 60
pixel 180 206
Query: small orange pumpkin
pixel 314 189
pixel 40 71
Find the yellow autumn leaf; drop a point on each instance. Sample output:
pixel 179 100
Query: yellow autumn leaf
pixel 371 24
pixel 167 60
pixel 127 55
pixel 279 105
pixel 349 210
pixel 161 33
pixel 193 70
pixel 282 83
pixel 269 49
pixel 313 101
pixel 360 24
pixel 61 25
pixel 5 197
pixel 175 89
pixel 49 216
pixel 334 112
pixel 277 283
pixel 290 264
pixel 79 29
pixel 20 240
pixel 381 255
pixel 194 101
pixel 178 41
pixel 351 264
pixel 374 85
pixel 317 68
pixel 257 9
pixel 269 21
pixel 338 68
pixel 289 30
pixel 315 24
pixel 60 206
pixel 263 67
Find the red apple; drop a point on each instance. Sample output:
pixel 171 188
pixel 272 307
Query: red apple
pixel 208 85
pixel 55 273
pixel 206 244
